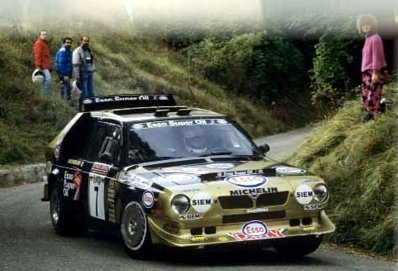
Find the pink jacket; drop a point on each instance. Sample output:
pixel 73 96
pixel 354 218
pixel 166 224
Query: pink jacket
pixel 373 54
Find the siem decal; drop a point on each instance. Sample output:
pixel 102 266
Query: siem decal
pixel 148 199
pixel 304 194
pixel 201 202
pixel 247 180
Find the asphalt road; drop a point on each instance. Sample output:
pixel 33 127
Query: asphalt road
pixel 28 242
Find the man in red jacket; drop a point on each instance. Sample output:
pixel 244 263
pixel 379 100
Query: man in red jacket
pixel 41 52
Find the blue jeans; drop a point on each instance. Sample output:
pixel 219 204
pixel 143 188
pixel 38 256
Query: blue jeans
pixel 86 86
pixel 46 82
pixel 66 87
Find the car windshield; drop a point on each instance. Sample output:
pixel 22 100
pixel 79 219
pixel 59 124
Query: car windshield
pixel 183 138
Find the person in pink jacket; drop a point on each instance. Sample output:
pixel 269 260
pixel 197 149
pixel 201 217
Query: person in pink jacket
pixel 373 66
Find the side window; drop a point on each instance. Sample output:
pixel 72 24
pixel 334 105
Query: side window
pixel 74 144
pixel 105 145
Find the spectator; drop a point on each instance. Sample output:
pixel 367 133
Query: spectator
pixel 41 52
pixel 83 68
pixel 63 67
pixel 373 66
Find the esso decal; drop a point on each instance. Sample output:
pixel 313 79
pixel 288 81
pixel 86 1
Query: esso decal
pixel 247 180
pixel 255 228
pixel 304 194
pixel 148 199
pixel 201 202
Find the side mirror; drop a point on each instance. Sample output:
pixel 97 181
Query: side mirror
pixel 264 148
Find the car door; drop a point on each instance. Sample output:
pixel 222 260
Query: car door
pixel 103 161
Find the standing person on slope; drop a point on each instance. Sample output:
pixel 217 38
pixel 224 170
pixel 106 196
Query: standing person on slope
pixel 42 58
pixel 373 66
pixel 84 68
pixel 63 67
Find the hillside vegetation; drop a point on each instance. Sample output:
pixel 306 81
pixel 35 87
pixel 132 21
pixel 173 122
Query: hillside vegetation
pixel 126 64
pixel 359 162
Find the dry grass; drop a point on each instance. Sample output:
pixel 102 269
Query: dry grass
pixel 359 162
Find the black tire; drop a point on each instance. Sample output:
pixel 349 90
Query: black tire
pixel 297 246
pixel 67 219
pixel 134 231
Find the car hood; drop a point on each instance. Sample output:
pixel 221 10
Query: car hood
pixel 246 174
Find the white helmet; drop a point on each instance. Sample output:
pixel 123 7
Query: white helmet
pixel 37 76
pixel 195 140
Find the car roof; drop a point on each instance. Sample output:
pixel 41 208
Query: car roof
pixel 142 107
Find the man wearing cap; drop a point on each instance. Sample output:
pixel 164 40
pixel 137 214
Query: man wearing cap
pixel 42 57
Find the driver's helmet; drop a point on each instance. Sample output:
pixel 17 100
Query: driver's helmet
pixel 195 140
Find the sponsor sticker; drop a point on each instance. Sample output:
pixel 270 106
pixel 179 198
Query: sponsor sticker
pixel 314 206
pixel 188 217
pixel 171 228
pixel 220 166
pixel 100 169
pixel 201 202
pixel 148 199
pixel 270 234
pixel 247 180
pixel 181 178
pixel 255 228
pixel 289 170
pixel 198 238
pixel 253 191
pixel 304 194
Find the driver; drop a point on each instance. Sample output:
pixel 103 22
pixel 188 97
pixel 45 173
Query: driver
pixel 195 140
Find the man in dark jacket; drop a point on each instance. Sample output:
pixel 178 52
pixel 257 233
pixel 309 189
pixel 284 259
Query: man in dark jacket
pixel 64 69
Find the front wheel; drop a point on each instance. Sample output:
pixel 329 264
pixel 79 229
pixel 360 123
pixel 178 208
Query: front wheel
pixel 66 219
pixel 297 246
pixel 134 230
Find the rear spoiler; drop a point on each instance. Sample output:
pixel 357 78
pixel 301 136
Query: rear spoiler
pixel 125 101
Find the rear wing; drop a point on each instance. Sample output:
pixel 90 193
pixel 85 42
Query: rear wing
pixel 125 101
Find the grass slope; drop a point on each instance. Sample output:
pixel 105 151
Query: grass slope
pixel 125 63
pixel 359 162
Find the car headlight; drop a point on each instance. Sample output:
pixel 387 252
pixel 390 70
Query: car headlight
pixel 320 192
pixel 180 204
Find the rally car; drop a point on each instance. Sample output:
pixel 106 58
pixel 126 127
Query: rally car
pixel 178 176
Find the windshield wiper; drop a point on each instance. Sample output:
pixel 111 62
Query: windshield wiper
pixel 216 153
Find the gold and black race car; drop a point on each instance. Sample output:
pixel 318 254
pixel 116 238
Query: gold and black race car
pixel 178 176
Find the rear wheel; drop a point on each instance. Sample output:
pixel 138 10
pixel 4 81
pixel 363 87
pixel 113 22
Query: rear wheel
pixel 297 246
pixel 66 219
pixel 134 230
